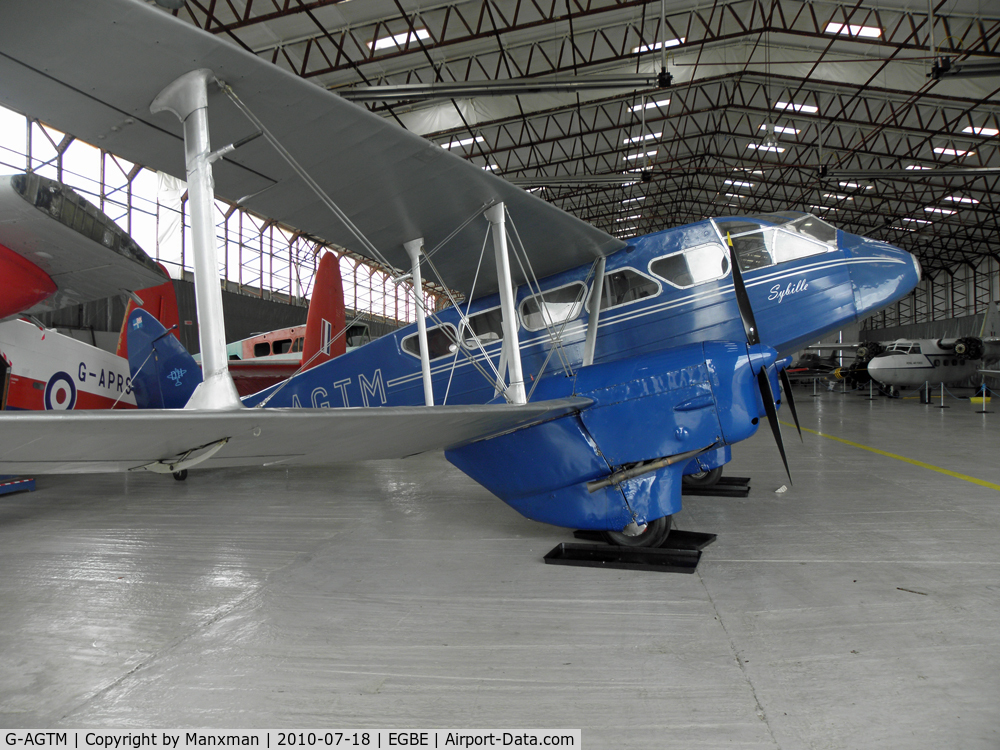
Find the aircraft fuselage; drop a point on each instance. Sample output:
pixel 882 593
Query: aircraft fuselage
pixel 664 290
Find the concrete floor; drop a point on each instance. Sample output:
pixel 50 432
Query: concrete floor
pixel 859 609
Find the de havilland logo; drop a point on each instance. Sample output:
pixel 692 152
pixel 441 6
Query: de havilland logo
pixel 777 293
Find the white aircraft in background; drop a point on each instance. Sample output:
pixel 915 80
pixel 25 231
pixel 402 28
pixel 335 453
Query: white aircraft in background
pixel 912 363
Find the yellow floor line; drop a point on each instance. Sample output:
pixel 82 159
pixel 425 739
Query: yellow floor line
pixel 921 464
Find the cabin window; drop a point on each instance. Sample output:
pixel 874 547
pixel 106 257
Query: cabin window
pixel 552 307
pixel 486 326
pixel 624 286
pixel 282 346
pixel 297 345
pixel 696 265
pixel 440 342
pixel 263 349
pixel 788 246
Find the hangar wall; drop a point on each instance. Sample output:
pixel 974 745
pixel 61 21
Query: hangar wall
pixel 99 322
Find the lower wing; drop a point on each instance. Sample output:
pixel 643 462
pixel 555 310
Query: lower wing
pixel 173 439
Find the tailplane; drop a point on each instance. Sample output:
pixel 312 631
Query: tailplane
pixel 164 375
pixel 325 336
pixel 161 302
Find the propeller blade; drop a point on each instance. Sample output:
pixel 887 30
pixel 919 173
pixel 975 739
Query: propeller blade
pixel 764 383
pixel 742 298
pixel 786 384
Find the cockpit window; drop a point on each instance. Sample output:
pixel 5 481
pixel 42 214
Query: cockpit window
pixel 696 265
pixel 815 228
pixel 903 347
pixel 791 246
pixel 753 250
pixel 624 286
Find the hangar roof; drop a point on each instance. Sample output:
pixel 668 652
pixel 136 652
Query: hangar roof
pixel 764 96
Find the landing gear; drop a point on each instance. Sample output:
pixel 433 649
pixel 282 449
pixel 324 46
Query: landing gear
pixel 654 535
pixel 703 478
pixel 181 475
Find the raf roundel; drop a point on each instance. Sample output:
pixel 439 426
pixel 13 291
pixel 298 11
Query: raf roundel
pixel 60 392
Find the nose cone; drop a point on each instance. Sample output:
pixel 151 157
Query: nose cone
pixel 880 273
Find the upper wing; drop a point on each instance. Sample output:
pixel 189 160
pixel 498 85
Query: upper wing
pixel 92 68
pixel 100 441
pixel 82 250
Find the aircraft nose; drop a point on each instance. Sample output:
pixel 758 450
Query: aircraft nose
pixel 880 273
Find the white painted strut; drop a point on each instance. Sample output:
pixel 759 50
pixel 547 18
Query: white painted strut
pixel 413 249
pixel 511 345
pixel 595 313
pixel 187 98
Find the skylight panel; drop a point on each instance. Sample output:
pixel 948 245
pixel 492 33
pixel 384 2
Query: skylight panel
pixel 780 129
pixel 633 200
pixel 659 45
pixel 463 142
pixel 838 196
pixel 762 147
pixel 630 218
pixel 945 211
pixel 825 208
pixel 736 195
pixel 854 186
pixel 919 221
pixel 491 167
pixel 807 108
pixel 961 199
pixel 649 105
pixel 640 156
pixel 844 29
pixel 917 166
pixel 641 138
pixel 738 183
pixel 953 152
pixel 398 40
pixel 981 131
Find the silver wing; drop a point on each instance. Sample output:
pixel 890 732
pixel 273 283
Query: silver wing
pixel 104 441
pixel 80 248
pixel 92 68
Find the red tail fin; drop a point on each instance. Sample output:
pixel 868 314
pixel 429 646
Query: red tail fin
pixel 326 315
pixel 159 301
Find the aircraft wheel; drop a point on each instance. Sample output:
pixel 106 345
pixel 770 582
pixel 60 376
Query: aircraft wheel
pixel 655 534
pixel 703 478
pixel 181 475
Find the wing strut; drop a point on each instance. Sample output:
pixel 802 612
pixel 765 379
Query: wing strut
pixel 187 98
pixel 414 248
pixel 511 345
pixel 595 313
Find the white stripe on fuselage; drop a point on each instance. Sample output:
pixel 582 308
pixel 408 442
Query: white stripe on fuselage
pixel 629 313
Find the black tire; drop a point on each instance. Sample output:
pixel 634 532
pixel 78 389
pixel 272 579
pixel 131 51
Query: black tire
pixel 704 478
pixel 655 534
pixel 181 475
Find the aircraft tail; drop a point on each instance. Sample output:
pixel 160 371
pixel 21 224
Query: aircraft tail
pixel 325 336
pixel 164 374
pixel 991 322
pixel 161 302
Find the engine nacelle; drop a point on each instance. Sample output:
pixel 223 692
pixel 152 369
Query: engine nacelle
pixel 969 347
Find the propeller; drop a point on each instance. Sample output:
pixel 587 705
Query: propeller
pixel 753 339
